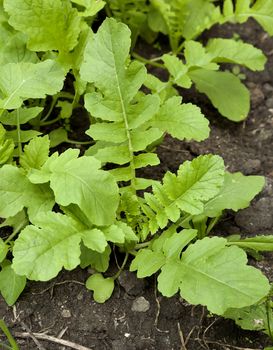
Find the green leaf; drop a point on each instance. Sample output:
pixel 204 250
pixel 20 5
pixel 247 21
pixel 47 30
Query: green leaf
pixel 123 116
pixel 177 242
pixel 114 234
pixel 14 50
pixel 25 115
pixel 17 192
pixel 6 146
pixel 11 284
pixel 254 317
pixel 25 135
pixel 92 7
pixel 41 251
pixel 196 182
pixel 95 240
pixel 57 136
pixel 228 50
pixel 237 192
pixel 225 91
pixel 147 262
pixel 35 153
pixel 98 261
pixel 262 11
pixel 80 181
pixel 257 243
pixel 196 56
pixel 102 287
pixel 20 81
pixel 183 121
pixel 178 70
pixel 214 275
pixel 4 248
pixel 49 25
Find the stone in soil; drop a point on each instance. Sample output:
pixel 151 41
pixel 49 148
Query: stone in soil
pixel 140 305
pixel 132 285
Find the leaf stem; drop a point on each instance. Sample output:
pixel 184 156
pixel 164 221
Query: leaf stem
pixel 147 61
pixel 53 104
pixel 14 233
pixel 122 267
pixel 142 245
pixel 74 142
pixel 7 333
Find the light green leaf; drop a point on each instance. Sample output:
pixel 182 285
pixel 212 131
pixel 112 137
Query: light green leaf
pixel 237 192
pixel 255 318
pixel 95 240
pixel 20 81
pixel 25 135
pixel 24 114
pixel 41 251
pixel 228 50
pixel 98 261
pixel 4 248
pixel 49 25
pixel 196 55
pixel 17 192
pixel 177 242
pixel 6 146
pixel 114 234
pixel 257 243
pixel 35 153
pixel 147 262
pixel 11 284
pixel 14 50
pixel 183 121
pixel 102 287
pixel 92 7
pixel 126 114
pixel 196 182
pixel 170 278
pixel 262 11
pixel 57 137
pixel 225 91
pixel 178 70
pixel 80 181
pixel 217 276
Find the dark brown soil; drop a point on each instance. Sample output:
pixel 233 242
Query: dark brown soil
pixel 65 306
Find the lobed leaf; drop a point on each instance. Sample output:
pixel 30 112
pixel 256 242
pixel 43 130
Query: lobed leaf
pixel 211 274
pixel 20 81
pixel 49 24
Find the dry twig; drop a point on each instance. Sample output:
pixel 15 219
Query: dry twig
pixel 183 345
pixel 51 339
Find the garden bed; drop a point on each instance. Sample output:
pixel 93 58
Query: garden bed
pixel 137 316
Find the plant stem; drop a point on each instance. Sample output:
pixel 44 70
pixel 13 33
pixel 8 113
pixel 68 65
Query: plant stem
pixel 142 245
pixel 14 233
pixel 18 132
pixel 53 104
pixel 7 333
pixel 147 61
pixel 49 122
pixel 122 267
pixel 73 142
pixel 212 223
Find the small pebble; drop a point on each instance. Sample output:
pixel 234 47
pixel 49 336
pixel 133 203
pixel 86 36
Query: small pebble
pixel 268 88
pixel 140 305
pixel 66 313
pixel 252 166
pixel 269 102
